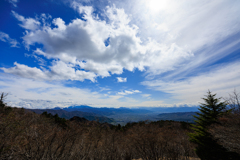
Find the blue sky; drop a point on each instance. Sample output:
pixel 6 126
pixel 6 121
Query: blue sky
pixel 120 53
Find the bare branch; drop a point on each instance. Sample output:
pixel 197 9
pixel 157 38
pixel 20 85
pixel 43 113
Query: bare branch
pixel 234 101
pixel 2 98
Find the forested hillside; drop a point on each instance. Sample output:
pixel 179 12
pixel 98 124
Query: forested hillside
pixel 28 135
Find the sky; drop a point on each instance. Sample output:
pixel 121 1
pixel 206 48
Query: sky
pixel 118 53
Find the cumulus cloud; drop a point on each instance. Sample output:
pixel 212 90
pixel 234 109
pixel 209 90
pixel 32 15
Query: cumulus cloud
pixel 121 79
pixel 58 71
pixel 127 92
pixel 221 80
pixel 82 43
pixel 5 38
pixel 185 36
pixel 27 23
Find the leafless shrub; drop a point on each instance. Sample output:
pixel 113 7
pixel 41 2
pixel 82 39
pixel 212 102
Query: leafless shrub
pixel 3 98
pixel 227 132
pixel 234 101
pixel 26 135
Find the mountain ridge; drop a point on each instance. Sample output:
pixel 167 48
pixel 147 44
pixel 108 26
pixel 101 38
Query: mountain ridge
pixel 68 115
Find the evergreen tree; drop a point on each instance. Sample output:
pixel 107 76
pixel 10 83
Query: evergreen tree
pixel 208 148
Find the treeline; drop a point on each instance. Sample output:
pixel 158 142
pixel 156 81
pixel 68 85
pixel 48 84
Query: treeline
pixel 27 135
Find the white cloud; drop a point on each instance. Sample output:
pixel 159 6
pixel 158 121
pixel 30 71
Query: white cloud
pixel 13 2
pixel 121 79
pixel 25 71
pixel 40 60
pixel 82 43
pixel 65 71
pixel 175 44
pixel 38 94
pixel 27 23
pixel 127 92
pixel 182 37
pixel 59 71
pixel 146 95
pixel 221 80
pixel 200 27
pixel 193 23
pixel 5 38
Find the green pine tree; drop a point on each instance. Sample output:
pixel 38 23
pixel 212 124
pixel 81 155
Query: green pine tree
pixel 207 148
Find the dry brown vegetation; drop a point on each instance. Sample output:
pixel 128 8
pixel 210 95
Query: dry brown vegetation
pixel 227 132
pixel 26 135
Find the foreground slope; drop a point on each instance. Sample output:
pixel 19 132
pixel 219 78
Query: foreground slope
pixel 27 135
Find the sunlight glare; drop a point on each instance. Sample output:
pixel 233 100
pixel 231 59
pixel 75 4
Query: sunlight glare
pixel 157 5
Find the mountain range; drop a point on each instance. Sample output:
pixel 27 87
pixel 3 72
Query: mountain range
pixel 104 111
pixel 69 114
pixel 123 115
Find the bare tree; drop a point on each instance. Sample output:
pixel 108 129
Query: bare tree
pixel 2 99
pixel 234 101
pixel 227 132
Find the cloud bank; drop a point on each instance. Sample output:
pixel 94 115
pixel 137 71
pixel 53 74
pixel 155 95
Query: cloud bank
pixel 81 45
pixel 29 93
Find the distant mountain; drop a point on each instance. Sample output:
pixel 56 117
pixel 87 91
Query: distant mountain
pixel 179 116
pixel 57 108
pixel 105 111
pixel 65 114
pixel 172 109
pixel 123 115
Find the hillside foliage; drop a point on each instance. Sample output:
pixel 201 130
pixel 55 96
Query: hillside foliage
pixel 27 135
